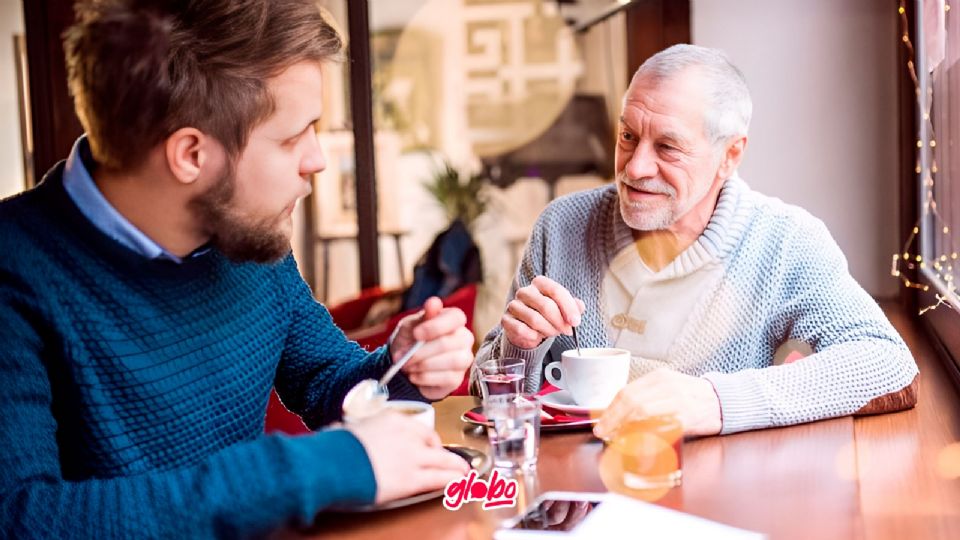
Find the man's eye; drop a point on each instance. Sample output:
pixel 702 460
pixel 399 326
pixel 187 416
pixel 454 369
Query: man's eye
pixel 309 131
pixel 667 147
pixel 626 136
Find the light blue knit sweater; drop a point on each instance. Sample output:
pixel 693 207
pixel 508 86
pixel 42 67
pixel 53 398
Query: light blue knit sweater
pixel 784 278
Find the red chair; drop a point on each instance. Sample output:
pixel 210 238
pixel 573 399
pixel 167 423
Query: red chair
pixel 349 316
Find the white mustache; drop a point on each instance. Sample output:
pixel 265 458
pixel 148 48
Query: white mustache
pixel 650 186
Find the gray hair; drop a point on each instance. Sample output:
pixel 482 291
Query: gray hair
pixel 729 107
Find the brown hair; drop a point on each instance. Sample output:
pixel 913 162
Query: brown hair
pixel 141 69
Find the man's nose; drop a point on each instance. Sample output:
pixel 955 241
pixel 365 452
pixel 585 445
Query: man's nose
pixel 313 160
pixel 643 163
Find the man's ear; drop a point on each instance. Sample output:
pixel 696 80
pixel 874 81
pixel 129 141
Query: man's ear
pixel 187 150
pixel 732 157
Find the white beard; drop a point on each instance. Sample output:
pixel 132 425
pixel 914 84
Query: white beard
pixel 649 215
pixel 660 214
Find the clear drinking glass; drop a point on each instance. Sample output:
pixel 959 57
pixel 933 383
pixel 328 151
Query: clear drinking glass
pixel 513 429
pixel 501 376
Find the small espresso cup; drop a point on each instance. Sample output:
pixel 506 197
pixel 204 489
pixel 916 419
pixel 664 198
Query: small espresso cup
pixel 417 410
pixel 593 376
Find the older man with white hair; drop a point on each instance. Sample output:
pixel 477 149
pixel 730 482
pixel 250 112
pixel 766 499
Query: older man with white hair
pixel 701 278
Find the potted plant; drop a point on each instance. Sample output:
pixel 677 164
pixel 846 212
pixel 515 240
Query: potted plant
pixel 460 194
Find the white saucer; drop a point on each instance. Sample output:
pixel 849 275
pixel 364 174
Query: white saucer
pixel 563 401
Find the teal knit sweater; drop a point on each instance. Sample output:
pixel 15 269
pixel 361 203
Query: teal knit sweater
pixel 134 390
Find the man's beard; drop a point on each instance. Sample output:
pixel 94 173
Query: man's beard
pixel 661 214
pixel 239 237
pixel 649 215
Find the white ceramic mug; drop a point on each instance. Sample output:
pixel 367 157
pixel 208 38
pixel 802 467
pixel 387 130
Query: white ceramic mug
pixel 592 377
pixel 418 410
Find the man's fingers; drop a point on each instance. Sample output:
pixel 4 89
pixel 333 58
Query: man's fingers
pixel 643 397
pixel 544 306
pixel 433 479
pixel 423 433
pixel 442 323
pixel 438 463
pixel 456 360
pixel 570 310
pixel 430 469
pixel 653 407
pixel 532 318
pixel 450 353
pixel 407 457
pixel 519 333
pixel 437 385
pixel 420 432
pixel 444 459
pixel 437 379
pixel 615 414
pixel 576 514
pixel 433 438
pixel 557 513
pixel 459 341
pixel 432 307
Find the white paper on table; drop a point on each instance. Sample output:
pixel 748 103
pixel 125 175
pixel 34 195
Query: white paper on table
pixel 622 517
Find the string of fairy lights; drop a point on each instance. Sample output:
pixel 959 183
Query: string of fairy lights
pixel 941 265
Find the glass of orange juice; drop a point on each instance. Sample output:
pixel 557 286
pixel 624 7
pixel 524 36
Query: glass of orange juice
pixel 651 450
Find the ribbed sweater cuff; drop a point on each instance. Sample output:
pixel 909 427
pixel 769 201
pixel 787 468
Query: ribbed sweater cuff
pixel 532 358
pixel 742 404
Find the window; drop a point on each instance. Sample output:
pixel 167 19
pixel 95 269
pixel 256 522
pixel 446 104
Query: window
pixel 941 200
pixel 938 54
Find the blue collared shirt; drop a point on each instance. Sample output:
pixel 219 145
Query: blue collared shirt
pixel 86 195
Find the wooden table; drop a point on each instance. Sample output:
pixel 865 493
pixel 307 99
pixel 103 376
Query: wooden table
pixel 872 477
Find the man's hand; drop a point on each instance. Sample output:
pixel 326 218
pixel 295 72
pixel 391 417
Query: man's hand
pixel 692 399
pixel 438 367
pixel 406 456
pixel 564 515
pixel 540 310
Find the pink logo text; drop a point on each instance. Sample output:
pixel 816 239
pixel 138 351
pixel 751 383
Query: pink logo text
pixel 494 493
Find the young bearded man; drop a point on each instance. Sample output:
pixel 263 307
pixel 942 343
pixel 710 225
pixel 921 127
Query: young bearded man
pixel 149 301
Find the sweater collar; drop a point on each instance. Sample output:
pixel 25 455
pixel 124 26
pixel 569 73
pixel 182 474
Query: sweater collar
pixel 84 192
pixel 723 232
pixel 79 232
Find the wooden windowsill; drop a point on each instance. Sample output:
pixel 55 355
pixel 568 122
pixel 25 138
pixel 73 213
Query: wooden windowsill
pixel 902 458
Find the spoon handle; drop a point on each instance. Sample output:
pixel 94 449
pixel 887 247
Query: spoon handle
pixel 576 342
pixel 399 363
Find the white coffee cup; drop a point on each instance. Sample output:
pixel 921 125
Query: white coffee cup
pixel 418 410
pixel 593 377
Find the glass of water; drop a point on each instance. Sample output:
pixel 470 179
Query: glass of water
pixel 501 376
pixel 513 429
